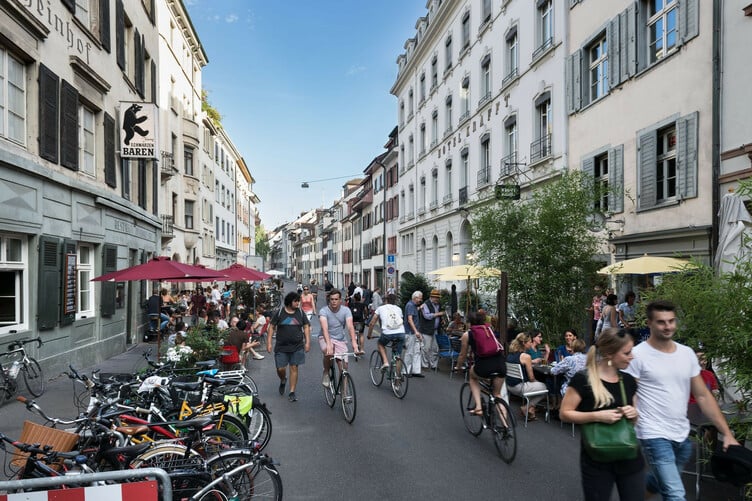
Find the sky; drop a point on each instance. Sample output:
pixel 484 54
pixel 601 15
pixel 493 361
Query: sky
pixel 303 89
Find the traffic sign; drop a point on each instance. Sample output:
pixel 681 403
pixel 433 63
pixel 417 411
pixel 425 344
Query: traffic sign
pixel 391 258
pixel 390 270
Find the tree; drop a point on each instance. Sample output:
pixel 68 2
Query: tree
pixel 210 110
pixel 262 242
pixel 545 245
pixel 410 283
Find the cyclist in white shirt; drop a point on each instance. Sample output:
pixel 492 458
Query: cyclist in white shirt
pixel 392 328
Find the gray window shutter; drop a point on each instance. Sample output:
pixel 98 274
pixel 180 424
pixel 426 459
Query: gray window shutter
pixel 648 156
pixel 108 290
pixel 689 22
pixel 588 168
pixel 50 275
pixel 616 179
pixel 153 81
pixel 686 154
pixel 614 64
pixel 141 183
pixel 138 63
pixel 104 24
pixel 573 71
pixel 68 126
pixel 110 171
pixel 630 35
pixel 641 37
pixel 69 247
pixel 49 98
pixel 120 34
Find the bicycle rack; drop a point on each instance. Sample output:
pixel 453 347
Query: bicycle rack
pixel 138 494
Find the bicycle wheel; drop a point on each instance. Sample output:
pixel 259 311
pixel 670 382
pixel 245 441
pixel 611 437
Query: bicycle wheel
pixel 473 423
pixel 33 377
pixel 234 425
pixel 260 481
pixel 399 378
pixel 267 483
pixel 374 368
pixel 216 441
pixel 259 425
pixel 504 432
pixel 329 393
pixel 347 395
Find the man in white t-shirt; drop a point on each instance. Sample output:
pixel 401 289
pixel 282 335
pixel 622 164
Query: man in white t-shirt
pixel 392 328
pixel 667 372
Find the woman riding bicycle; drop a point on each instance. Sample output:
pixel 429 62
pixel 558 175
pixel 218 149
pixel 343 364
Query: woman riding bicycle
pixel 492 365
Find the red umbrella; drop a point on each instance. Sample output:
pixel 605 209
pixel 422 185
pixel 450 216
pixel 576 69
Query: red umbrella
pixel 162 268
pixel 238 272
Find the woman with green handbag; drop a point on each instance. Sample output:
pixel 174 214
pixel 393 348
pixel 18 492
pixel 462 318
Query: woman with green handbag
pixel 601 400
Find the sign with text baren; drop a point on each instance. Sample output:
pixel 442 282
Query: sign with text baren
pixel 507 191
pixel 138 130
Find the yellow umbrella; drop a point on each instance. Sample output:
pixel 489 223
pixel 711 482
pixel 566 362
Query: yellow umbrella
pixel 646 265
pixel 464 272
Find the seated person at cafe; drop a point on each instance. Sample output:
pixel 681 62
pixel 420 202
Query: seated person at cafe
pixel 456 327
pixel 538 354
pixel 572 364
pixel 565 350
pixel 518 354
pixel 708 377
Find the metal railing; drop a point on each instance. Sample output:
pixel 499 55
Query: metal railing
pixel 168 225
pixel 543 47
pixel 448 198
pixel 484 176
pixel 540 148
pixel 463 195
pixel 508 165
pixel 510 76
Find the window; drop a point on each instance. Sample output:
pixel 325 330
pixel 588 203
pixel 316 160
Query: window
pixel 87 11
pixel 12 98
pixel 465 99
pixel 464 166
pixel 512 55
pixel 541 147
pixel 402 113
pixel 85 307
pixel 466 30
pixel 87 141
pixel 448 181
pixel 662 28
pixel 485 79
pixel 189 214
pixel 434 73
pixel 423 138
pixel 435 188
pixel 188 161
pixel 606 169
pixel 486 11
pixel 665 167
pixel 600 178
pixel 422 200
pixel 484 173
pixel 598 69
pixel 422 87
pixel 448 115
pixel 510 131
pixel 410 103
pixel 434 127
pixel 411 150
pixel 14 277
pixel 545 26
pixel 448 53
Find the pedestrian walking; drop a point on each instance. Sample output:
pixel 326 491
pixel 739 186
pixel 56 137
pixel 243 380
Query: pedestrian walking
pixel 413 337
pixel 293 341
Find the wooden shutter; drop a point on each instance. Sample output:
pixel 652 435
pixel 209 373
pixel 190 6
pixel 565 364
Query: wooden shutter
pixel 49 97
pixel 616 179
pixel 689 22
pixel 588 168
pixel 108 289
pixel 69 247
pixel 110 172
pixel 153 81
pixel 630 40
pixel 120 34
pixel 137 63
pixel 104 24
pixel 68 126
pixel 612 37
pixel 50 274
pixel 142 183
pixel 573 71
pixel 152 15
pixel 70 5
pixel 641 38
pixel 686 155
pixel 647 164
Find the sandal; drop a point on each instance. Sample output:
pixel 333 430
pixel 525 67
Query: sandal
pixel 476 412
pixel 531 417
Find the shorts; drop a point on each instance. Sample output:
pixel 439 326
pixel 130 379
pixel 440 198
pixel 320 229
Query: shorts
pixel 399 339
pixel 283 358
pixel 340 347
pixel 359 326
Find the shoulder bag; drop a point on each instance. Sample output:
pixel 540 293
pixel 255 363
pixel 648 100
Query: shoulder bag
pixel 611 442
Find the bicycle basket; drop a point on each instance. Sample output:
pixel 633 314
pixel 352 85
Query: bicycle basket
pixel 33 433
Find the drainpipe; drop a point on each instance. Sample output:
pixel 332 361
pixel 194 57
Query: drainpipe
pixel 716 133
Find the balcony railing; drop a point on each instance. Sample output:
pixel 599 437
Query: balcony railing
pixel 421 210
pixel 433 205
pixel 434 142
pixel 508 165
pixel 168 226
pixel 410 215
pixel 448 131
pixel 540 148
pixel 484 176
pixel 448 198
pixel 463 195
pixel 510 77
pixel 486 97
pixel 167 165
pixel 543 47
pixel 465 116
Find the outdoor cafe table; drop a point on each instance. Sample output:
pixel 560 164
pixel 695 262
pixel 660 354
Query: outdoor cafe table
pixel 553 381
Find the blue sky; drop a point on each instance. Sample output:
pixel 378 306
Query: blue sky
pixel 303 89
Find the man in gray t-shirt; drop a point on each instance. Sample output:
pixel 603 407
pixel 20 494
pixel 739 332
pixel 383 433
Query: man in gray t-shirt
pixel 335 319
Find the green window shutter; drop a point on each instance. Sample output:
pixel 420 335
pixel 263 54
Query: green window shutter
pixel 689 22
pixel 50 274
pixel 49 99
pixel 616 179
pixel 573 71
pixel 120 34
pixel 647 163
pixel 110 171
pixel 104 24
pixel 68 126
pixel 614 60
pixel 686 154
pixel 69 247
pixel 108 289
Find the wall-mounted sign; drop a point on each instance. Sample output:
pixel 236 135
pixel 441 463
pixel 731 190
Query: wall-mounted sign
pixel 507 191
pixel 69 284
pixel 138 130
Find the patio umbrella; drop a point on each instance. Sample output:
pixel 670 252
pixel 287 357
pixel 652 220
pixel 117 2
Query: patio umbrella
pixel 464 272
pixel 647 265
pixel 238 273
pixel 275 273
pixel 735 221
pixel 162 269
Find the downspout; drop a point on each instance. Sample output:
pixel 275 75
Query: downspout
pixel 716 133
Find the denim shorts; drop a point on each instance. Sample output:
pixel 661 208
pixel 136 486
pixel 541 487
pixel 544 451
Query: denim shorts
pixel 283 359
pixel 399 339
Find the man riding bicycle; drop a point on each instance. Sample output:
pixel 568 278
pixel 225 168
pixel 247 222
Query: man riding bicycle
pixel 392 328
pixel 335 320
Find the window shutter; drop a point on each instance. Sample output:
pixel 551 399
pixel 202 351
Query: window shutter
pixel 108 289
pixel 142 183
pixel 48 113
pixel 641 38
pixel 630 34
pixel 616 179
pixel 612 37
pixel 152 16
pixel 70 5
pixel 648 156
pixel 69 247
pixel 110 172
pixel 137 63
pixel 153 81
pixel 686 155
pixel 573 72
pixel 50 275
pixel 104 24
pixel 689 23
pixel 120 34
pixel 588 168
pixel 68 126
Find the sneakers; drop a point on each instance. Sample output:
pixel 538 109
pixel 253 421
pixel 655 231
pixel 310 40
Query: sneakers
pixel 325 382
pixel 291 397
pixel 384 367
pixel 282 386
pixel 256 356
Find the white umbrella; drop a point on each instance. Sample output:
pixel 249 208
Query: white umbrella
pixel 734 220
pixel 275 273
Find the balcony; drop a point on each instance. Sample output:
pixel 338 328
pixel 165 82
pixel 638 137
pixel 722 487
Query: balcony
pixel 486 98
pixel 463 195
pixel 465 116
pixel 433 205
pixel 168 226
pixel 448 199
pixel 540 148
pixel 167 165
pixel 448 131
pixel 402 219
pixel 484 177
pixel 421 210
pixel 511 76
pixel 543 47
pixel 410 216
pixel 434 142
pixel 362 199
pixel 508 165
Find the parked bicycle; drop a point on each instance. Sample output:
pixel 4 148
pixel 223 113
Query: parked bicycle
pixel 16 361
pixel 341 383
pixel 497 417
pixel 396 373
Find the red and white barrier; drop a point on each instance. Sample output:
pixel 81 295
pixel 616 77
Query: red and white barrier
pixel 136 491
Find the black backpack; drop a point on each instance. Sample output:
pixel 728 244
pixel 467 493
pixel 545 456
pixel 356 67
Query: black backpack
pixel 733 465
pixel 358 311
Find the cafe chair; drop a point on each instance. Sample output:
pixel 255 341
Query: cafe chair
pixel 446 351
pixel 515 371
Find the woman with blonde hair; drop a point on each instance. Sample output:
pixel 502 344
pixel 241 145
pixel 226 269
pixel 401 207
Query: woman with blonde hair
pixel 517 355
pixel 594 396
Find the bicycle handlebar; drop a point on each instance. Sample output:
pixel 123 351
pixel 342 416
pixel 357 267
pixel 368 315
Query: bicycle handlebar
pixel 15 345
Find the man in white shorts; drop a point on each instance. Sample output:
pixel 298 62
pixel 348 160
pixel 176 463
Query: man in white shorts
pixel 392 328
pixel 336 320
